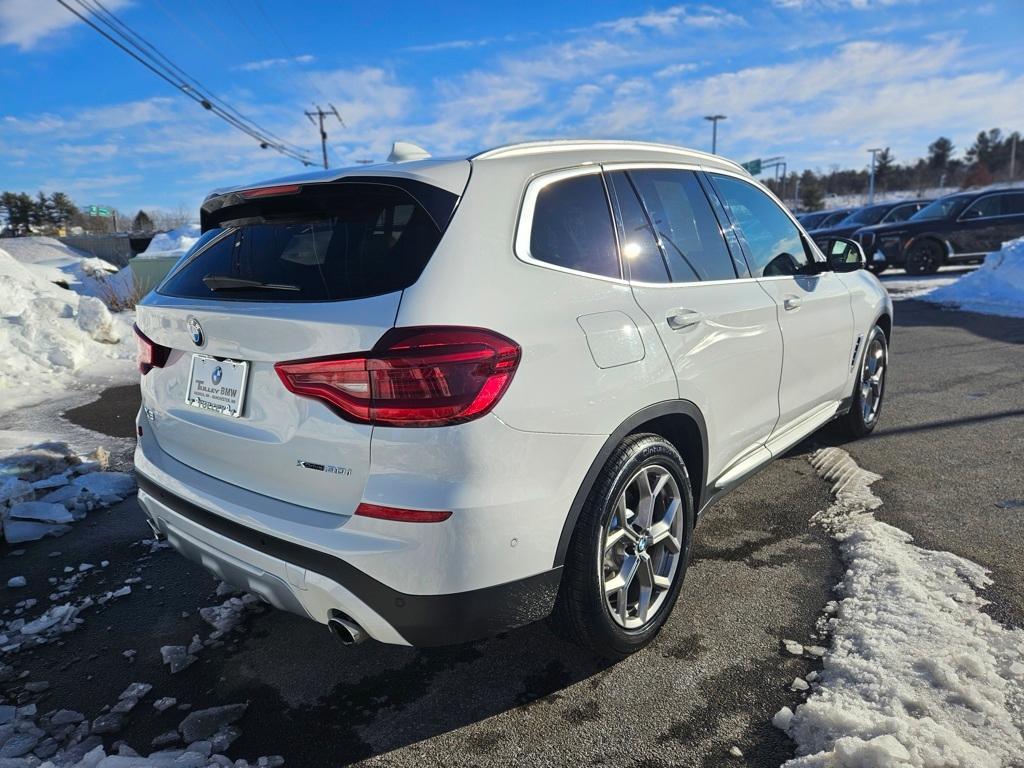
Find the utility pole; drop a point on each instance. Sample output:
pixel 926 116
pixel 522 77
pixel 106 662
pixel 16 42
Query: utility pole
pixel 714 130
pixel 871 182
pixel 1013 155
pixel 320 115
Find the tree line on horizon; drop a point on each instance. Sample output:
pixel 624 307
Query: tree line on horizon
pixel 50 214
pixel 986 161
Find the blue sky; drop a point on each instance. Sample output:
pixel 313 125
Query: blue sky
pixel 818 81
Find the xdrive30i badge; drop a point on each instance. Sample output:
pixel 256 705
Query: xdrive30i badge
pixel 330 469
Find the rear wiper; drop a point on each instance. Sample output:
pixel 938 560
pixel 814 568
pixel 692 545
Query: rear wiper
pixel 229 283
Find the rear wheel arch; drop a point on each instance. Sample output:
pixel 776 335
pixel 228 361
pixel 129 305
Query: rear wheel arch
pixel 681 423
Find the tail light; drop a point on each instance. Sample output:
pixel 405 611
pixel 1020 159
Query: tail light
pixel 413 377
pixel 151 355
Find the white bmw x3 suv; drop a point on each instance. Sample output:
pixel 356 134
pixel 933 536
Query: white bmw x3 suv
pixel 429 401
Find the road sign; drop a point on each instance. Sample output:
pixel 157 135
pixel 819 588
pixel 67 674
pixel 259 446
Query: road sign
pixel 99 210
pixel 753 166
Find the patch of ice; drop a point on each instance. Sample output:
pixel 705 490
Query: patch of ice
pixel 918 674
pixel 17 581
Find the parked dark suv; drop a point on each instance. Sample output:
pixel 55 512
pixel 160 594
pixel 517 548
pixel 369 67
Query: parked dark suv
pixel 953 229
pixel 880 213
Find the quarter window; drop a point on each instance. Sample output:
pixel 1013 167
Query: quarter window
pixel 572 227
pixel 774 245
pixel 687 230
pixel 1014 204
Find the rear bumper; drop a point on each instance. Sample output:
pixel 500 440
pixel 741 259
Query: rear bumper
pixel 313 583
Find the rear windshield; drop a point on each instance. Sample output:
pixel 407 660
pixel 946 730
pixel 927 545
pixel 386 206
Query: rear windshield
pixel 330 243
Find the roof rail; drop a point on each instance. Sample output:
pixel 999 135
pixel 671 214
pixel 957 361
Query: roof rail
pixel 562 145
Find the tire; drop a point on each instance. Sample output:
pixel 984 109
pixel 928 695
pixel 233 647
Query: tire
pixel 583 611
pixel 869 390
pixel 924 258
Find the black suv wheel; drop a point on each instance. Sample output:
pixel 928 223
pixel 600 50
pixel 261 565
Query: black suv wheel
pixel 924 258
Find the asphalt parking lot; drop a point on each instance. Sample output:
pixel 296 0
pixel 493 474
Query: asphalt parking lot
pixel 950 447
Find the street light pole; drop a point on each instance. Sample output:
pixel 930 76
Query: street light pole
pixel 871 182
pixel 714 130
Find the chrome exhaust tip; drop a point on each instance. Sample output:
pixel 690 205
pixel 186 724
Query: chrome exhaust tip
pixel 346 630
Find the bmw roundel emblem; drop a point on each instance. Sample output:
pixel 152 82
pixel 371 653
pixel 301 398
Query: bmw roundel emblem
pixel 196 331
pixel 217 375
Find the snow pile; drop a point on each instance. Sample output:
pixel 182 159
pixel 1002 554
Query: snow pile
pixel 46 487
pixel 996 288
pixel 48 334
pixel 66 266
pixel 65 738
pixel 173 243
pixel 917 674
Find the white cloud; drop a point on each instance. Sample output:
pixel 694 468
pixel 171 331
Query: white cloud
pixel 451 45
pixel 857 5
pixel 669 19
pixel 26 23
pixel 257 66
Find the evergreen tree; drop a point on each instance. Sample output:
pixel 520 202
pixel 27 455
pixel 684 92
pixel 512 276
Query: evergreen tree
pixel 940 152
pixel 63 209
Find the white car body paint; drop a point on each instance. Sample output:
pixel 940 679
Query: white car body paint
pixel 243 495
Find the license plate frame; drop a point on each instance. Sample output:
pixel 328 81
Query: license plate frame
pixel 212 395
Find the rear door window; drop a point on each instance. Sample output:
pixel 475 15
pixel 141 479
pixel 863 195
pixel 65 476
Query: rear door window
pixel 326 243
pixel 641 255
pixel 685 225
pixel 984 207
pixel 572 227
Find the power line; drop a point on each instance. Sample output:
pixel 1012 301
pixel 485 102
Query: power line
pixel 137 40
pixel 166 70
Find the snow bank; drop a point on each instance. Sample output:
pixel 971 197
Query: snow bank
pixel 996 288
pixel 59 263
pixel 918 674
pixel 173 243
pixel 49 334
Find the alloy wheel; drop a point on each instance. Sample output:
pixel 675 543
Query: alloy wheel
pixel 872 380
pixel 642 546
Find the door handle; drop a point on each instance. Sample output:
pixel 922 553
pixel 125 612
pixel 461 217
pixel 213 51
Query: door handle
pixel 678 319
pixel 790 303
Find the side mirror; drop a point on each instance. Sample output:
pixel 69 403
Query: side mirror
pixel 844 254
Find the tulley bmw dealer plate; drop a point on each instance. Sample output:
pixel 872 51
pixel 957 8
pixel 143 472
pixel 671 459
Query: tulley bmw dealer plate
pixel 217 385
